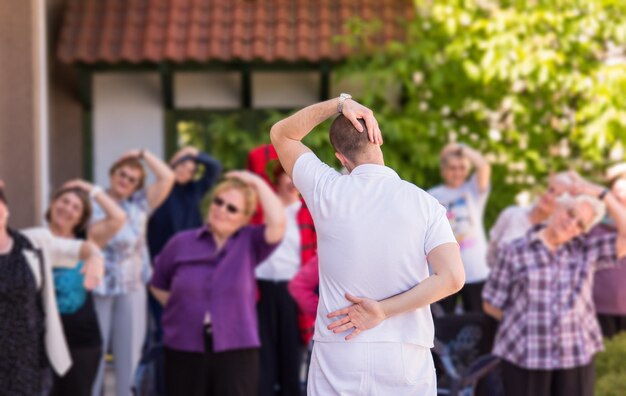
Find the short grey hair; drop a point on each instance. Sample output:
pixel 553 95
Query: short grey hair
pixel 599 208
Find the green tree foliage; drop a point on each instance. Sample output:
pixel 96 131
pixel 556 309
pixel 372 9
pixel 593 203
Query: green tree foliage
pixel 537 85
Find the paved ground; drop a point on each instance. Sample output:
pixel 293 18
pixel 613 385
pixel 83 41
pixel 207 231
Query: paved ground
pixel 109 381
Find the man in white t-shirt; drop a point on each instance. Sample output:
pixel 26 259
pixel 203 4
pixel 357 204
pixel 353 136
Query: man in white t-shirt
pixel 464 198
pixel 376 234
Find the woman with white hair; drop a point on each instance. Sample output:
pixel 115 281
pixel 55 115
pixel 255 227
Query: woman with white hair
pixel 541 290
pixel 515 221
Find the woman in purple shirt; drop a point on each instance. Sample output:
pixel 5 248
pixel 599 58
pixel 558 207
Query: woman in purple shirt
pixel 205 279
pixel 609 293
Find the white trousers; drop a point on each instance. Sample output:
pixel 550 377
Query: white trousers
pixel 371 369
pixel 122 321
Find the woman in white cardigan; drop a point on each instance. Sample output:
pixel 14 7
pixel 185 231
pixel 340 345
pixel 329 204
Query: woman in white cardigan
pixel 31 336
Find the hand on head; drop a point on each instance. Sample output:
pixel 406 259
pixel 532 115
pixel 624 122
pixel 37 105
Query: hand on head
pixel 354 111
pixel 245 176
pixel 187 151
pixel 78 184
pixel 450 148
pixel 133 153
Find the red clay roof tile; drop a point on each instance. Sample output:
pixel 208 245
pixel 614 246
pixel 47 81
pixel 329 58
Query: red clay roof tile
pixel 224 30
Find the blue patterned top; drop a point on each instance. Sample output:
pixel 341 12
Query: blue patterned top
pixel 68 285
pixel 127 266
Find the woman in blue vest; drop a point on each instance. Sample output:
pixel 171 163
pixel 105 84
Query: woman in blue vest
pixel 68 217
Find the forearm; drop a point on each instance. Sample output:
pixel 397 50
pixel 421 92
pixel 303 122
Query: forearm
pixel 212 168
pixel 617 212
pixel 273 210
pixel 475 157
pixel 88 250
pixel 161 296
pixel 432 289
pixel 492 311
pixel 160 169
pixel 112 210
pixel 102 231
pixel 482 166
pixel 298 125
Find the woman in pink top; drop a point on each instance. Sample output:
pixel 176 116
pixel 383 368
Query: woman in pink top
pixel 304 287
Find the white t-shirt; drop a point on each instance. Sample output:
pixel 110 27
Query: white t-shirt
pixel 465 209
pixel 512 223
pixel 374 231
pixel 284 262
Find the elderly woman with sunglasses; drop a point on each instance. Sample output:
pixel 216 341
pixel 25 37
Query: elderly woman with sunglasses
pixel 205 279
pixel 541 291
pixel 121 301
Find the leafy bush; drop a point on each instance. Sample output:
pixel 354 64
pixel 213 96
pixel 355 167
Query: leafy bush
pixel 611 367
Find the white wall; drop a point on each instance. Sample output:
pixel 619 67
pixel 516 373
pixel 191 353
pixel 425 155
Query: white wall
pixel 128 113
pixel 285 89
pixel 357 85
pixel 216 90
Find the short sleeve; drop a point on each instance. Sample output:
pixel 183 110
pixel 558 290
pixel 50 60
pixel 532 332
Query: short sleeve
pixel 497 286
pixel 310 176
pixel 601 247
pixel 62 252
pixel 439 230
pixel 165 265
pixel 261 248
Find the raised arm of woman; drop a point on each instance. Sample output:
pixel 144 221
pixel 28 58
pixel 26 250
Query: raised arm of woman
pixel 158 191
pixel 273 209
pixel 103 230
pixel 615 209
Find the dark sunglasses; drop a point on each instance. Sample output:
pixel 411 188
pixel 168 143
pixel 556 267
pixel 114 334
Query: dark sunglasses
pixel 229 207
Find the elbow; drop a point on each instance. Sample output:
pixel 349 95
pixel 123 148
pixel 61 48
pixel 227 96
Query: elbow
pixel 119 220
pixel 275 132
pixel 456 280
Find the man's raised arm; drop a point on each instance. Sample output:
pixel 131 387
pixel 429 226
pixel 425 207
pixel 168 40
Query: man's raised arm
pixel 287 134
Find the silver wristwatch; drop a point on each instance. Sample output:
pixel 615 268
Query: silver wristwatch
pixel 342 99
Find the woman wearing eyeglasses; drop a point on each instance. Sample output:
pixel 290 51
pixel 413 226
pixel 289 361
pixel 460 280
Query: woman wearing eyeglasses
pixel 541 291
pixel 120 301
pixel 205 279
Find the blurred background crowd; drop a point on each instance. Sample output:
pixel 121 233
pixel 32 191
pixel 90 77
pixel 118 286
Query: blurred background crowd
pixel 511 114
